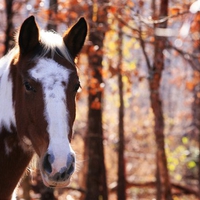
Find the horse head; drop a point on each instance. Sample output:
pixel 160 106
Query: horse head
pixel 45 85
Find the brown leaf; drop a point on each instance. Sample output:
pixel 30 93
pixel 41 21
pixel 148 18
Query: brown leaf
pixel 96 105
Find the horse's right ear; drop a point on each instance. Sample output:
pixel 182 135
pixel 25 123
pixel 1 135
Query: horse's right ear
pixel 74 38
pixel 28 35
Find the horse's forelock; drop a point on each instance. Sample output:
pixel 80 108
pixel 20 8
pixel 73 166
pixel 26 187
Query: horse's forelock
pixel 53 42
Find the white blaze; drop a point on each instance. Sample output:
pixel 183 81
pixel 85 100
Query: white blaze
pixel 52 75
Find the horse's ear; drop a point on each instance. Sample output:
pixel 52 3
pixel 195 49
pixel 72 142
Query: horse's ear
pixel 75 37
pixel 28 35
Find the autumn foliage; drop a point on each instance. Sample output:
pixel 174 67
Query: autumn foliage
pixel 139 96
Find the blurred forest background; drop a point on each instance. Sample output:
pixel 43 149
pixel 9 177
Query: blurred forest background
pixel 137 130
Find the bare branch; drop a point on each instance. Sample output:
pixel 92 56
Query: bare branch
pixel 189 57
pixel 142 43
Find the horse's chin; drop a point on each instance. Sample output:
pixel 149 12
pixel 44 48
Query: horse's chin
pixel 54 184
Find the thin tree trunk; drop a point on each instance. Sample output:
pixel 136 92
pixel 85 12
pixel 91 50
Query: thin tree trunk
pixel 121 184
pixel 9 27
pixel 53 9
pixel 162 175
pixel 196 117
pixel 96 185
pixel 196 103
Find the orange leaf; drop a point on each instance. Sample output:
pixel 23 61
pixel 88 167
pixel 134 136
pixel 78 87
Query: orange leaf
pixel 73 15
pixel 96 105
pixel 175 10
pixel 113 9
pixel 130 4
pixel 190 85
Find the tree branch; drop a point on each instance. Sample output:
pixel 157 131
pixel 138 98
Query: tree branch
pixel 186 56
pixel 142 43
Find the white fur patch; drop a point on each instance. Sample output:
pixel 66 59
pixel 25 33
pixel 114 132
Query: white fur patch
pixel 52 75
pixel 7 113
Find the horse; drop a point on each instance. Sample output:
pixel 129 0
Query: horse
pixel 38 85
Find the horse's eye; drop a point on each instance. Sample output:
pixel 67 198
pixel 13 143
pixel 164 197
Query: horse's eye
pixel 77 86
pixel 28 86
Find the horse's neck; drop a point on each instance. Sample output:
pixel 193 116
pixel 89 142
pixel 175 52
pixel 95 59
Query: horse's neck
pixel 13 162
pixel 7 113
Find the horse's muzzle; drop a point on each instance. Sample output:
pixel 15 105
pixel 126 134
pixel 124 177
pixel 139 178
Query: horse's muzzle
pixel 57 176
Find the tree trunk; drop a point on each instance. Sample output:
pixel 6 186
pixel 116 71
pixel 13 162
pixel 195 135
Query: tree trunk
pixel 163 181
pixel 9 28
pixel 96 186
pixel 197 103
pixel 53 8
pixel 121 184
pixel 196 92
pixel 196 116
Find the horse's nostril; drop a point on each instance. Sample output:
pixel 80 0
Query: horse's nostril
pixel 71 164
pixel 47 164
pixel 71 169
pixel 63 175
pixel 66 172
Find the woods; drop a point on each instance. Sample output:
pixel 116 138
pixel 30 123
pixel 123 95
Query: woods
pixel 137 127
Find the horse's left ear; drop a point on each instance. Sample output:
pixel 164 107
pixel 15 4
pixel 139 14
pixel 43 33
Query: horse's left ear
pixel 28 35
pixel 75 37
